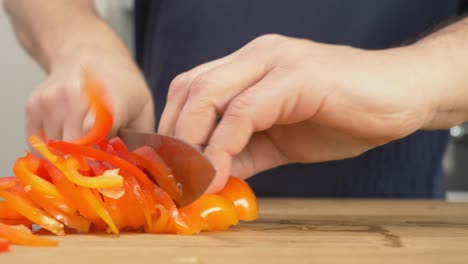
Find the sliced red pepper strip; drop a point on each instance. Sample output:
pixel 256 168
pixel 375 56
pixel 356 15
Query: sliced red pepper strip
pixel 70 168
pixel 148 159
pixel 98 167
pixel 70 148
pixel 21 235
pixel 241 195
pixel 31 212
pixel 7 212
pixel 116 145
pixel 42 172
pixel 118 162
pixel 4 245
pixel 95 92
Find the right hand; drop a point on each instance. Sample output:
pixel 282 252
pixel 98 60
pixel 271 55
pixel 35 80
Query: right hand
pixel 58 107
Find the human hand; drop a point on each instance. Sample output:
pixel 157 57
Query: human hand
pixel 284 100
pixel 58 107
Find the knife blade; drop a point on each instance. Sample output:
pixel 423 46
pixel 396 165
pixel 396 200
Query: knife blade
pixel 191 167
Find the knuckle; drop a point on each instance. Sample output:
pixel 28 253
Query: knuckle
pixel 203 83
pixel 238 108
pixel 31 105
pixel 72 93
pixel 48 98
pixel 268 38
pixel 178 85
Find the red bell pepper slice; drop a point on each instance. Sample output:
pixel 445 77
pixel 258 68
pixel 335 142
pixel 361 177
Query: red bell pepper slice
pixel 95 93
pixel 119 147
pixel 148 159
pixel 73 149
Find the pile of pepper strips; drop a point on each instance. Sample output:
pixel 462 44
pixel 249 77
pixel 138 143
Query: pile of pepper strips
pixel 95 185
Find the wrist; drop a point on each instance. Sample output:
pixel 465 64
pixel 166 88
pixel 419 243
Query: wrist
pixel 440 70
pixel 84 41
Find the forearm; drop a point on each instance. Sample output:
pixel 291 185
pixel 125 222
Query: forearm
pixel 439 68
pixel 53 32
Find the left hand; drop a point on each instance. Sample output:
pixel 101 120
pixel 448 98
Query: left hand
pixel 284 100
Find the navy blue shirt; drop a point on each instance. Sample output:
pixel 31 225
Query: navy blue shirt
pixel 173 36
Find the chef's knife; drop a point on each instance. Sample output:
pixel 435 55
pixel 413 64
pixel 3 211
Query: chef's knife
pixel 189 165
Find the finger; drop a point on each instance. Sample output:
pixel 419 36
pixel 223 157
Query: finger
pixel 54 110
pixel 178 93
pixel 268 102
pixel 179 88
pixel 33 121
pixel 259 155
pixel 73 126
pixel 145 121
pixel 88 122
pixel 210 93
pixel 77 109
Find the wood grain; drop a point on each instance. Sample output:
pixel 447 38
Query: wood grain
pixel 289 231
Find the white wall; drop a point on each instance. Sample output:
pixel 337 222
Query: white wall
pixel 19 75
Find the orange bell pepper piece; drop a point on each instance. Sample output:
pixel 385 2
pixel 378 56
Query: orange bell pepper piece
pixel 98 206
pixel 213 211
pixel 127 211
pixel 69 219
pixel 150 190
pixel 4 245
pixel 74 196
pixel 70 167
pixel 21 235
pixel 42 189
pixel 6 212
pixel 7 182
pixel 95 93
pixel 241 195
pixel 31 212
pixel 109 179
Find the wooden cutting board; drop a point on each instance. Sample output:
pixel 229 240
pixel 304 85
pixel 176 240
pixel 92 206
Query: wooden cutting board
pixel 289 231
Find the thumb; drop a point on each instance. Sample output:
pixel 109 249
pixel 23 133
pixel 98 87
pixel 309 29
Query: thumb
pixel 144 120
pixel 260 154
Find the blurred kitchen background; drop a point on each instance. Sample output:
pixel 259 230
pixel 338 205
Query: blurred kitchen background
pixel 19 75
